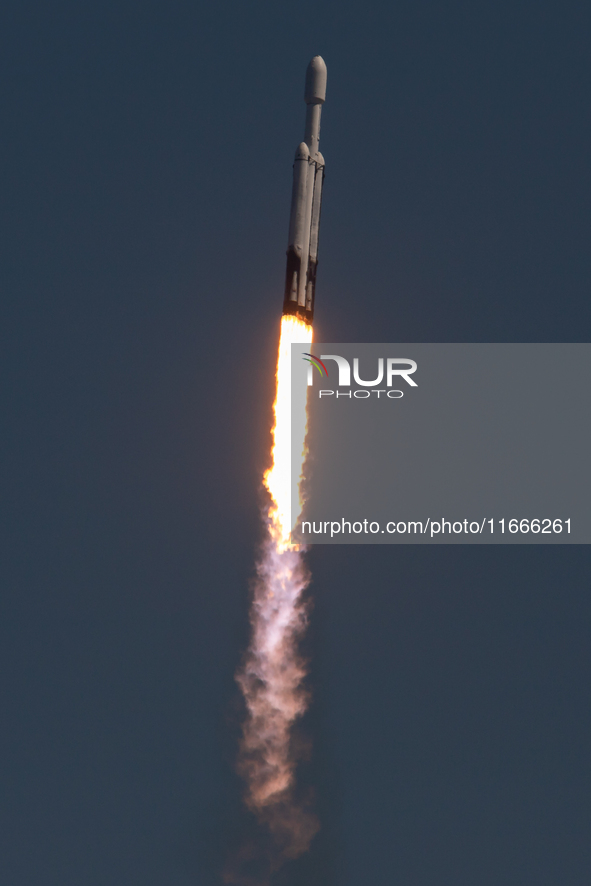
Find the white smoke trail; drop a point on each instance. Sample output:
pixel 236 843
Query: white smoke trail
pixel 272 675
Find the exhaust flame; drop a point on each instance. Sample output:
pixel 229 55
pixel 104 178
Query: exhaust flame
pixel 272 675
pixel 278 478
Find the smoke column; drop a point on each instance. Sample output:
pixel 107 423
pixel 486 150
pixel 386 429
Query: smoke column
pixel 271 677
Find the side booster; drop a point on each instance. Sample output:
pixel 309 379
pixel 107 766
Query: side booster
pixel 304 221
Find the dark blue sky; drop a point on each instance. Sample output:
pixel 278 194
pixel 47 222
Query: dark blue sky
pixel 145 184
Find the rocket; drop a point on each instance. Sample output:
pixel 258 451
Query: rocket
pixel 306 196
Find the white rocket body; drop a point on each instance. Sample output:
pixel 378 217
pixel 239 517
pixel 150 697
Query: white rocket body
pixel 306 198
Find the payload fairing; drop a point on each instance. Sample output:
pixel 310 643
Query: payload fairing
pixel 304 221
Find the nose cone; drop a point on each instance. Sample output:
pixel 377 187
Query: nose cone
pixel 303 152
pixel 315 82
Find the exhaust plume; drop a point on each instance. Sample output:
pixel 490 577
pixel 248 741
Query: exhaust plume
pixel 271 677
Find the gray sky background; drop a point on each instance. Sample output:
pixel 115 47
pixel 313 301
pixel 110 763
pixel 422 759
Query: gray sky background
pixel 145 182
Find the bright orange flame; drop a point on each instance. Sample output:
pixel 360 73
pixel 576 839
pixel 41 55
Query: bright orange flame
pixel 278 478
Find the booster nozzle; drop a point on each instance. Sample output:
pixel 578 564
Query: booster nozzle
pixel 315 93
